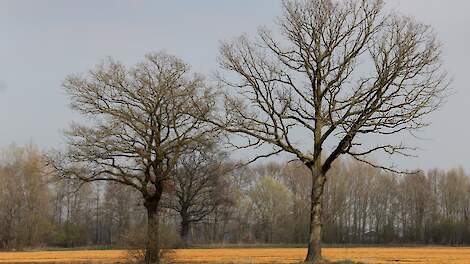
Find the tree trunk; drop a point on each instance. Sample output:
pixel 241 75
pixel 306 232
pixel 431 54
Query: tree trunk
pixel 185 232
pixel 152 250
pixel 314 254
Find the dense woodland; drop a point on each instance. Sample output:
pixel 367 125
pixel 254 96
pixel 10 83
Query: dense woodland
pixel 217 201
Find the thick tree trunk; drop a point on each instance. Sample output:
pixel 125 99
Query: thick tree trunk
pixel 314 254
pixel 152 250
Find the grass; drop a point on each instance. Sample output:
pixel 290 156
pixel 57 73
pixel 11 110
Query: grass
pixel 324 245
pixel 101 247
pixel 422 255
pixel 229 245
pixel 346 262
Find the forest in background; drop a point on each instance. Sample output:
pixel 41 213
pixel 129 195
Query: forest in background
pixel 215 201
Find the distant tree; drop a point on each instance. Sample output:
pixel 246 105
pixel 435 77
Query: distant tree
pixel 344 70
pixel 271 203
pixel 382 206
pixel 143 120
pixel 298 180
pixel 237 206
pixel 335 200
pixel 198 182
pixel 454 197
pixel 72 214
pixel 24 198
pixel 120 203
pixel 416 196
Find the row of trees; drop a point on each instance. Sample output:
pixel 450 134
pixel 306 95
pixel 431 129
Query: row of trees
pixel 363 205
pixel 217 202
pixel 40 210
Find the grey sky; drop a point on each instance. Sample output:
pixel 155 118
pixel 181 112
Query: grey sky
pixel 43 41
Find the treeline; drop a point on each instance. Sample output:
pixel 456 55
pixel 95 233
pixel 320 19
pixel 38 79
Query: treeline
pixel 362 205
pixel 211 200
pixel 37 209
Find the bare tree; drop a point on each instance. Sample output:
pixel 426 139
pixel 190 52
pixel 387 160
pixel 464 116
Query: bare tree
pixel 141 125
pixel 298 180
pixel 24 196
pixel 271 202
pixel 415 194
pixel 197 180
pixel 338 71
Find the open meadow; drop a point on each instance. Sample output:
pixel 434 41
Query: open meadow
pixel 373 255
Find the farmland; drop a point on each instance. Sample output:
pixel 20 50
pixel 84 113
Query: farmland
pixel 376 255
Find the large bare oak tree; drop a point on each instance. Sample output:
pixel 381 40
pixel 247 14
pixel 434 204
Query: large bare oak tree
pixel 334 73
pixel 141 120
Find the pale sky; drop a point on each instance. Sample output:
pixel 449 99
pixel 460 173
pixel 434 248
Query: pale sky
pixel 44 41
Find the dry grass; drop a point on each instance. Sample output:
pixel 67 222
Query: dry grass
pixel 421 255
pixel 418 255
pixel 83 256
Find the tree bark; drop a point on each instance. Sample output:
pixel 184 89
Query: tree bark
pixel 314 253
pixel 185 232
pixel 152 250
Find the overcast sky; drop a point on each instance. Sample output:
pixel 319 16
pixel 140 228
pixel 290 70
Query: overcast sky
pixel 43 41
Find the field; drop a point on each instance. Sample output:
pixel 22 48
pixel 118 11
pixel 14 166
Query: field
pixel 376 255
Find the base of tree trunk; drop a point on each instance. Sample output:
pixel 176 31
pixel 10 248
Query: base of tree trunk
pixel 152 250
pixel 317 261
pixel 324 261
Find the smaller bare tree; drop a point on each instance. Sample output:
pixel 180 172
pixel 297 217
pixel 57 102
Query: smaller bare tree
pixel 197 182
